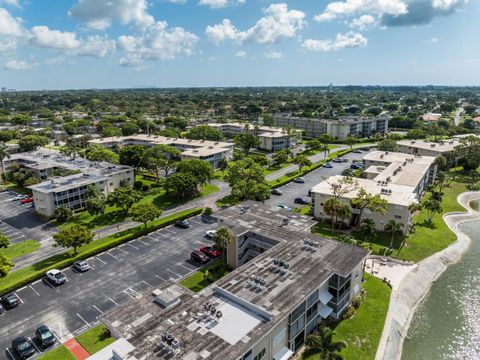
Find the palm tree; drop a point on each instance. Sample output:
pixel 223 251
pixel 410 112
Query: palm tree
pixel 222 239
pixel 4 154
pixel 368 228
pixel 323 344
pixel 393 229
pixel 344 212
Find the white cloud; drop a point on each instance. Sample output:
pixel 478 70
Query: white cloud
pixel 157 43
pixel 7 46
pixel 434 40
pixel 446 5
pixel 218 4
pixel 99 14
pixel 279 23
pixel 341 41
pixel 10 25
pixel 241 54
pixel 95 46
pixel 14 3
pixel 354 7
pixel 363 22
pixel 18 65
pixel 42 36
pixel 180 2
pixel 276 55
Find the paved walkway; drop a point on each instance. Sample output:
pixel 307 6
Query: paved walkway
pixel 387 270
pixel 76 349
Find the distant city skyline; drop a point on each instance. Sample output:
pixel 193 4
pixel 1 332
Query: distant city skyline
pixel 76 44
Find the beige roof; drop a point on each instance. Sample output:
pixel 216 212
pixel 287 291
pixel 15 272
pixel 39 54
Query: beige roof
pixel 440 147
pixel 401 194
pixel 204 151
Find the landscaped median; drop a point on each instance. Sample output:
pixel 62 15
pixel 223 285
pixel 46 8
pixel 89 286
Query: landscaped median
pixel 206 276
pixel 36 271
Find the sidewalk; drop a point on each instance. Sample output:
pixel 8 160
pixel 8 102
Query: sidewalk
pixel 76 349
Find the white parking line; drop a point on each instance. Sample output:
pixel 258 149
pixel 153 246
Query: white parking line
pixel 174 273
pixel 113 301
pixel 184 267
pixel 85 321
pixel 100 311
pixel 96 257
pixel 140 241
pixel 170 231
pixel 161 278
pixel 108 253
pixel 196 222
pixel 10 354
pixel 34 290
pixel 56 337
pixel 146 283
pixel 35 346
pixel 136 248
pixel 22 288
pixel 120 250
pixel 19 298
pixel 36 282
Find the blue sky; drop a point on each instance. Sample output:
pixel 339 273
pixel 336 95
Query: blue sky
pixel 68 44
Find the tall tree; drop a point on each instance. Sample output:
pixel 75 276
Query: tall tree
pixel 323 345
pixel 393 229
pixel 301 161
pixel 32 142
pixel 350 141
pixel 280 156
pixel 95 207
pixel 433 206
pixel 5 265
pixel 246 142
pixel 368 228
pixel 73 237
pixel 63 213
pixel 4 154
pixel 124 197
pixel 332 208
pixel 223 164
pixel 144 213
pixel 205 132
pixel 100 153
pixel 132 155
pixel 222 239
pixel 364 200
pixel 161 157
pixel 247 180
pixel 199 169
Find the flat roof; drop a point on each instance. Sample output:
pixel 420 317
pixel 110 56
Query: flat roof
pixel 440 147
pixel 65 183
pixel 248 312
pixel 401 194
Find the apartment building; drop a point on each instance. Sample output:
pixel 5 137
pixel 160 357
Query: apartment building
pixel 428 148
pixel 399 178
pixel 56 190
pixel 209 151
pixel 264 309
pixel 340 128
pixel 271 138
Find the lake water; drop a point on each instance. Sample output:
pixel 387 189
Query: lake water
pixel 446 325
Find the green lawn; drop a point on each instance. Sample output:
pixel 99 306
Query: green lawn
pixel 16 250
pixel 198 280
pixel 59 353
pixel 362 333
pixel 115 215
pixel 95 339
pixel 227 201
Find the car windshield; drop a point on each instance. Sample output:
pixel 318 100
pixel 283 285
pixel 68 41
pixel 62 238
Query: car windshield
pixel 81 263
pixel 46 334
pixel 23 345
pixel 58 276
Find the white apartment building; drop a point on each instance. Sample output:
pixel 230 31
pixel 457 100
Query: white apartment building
pixel 340 128
pixel 210 151
pixel 271 138
pixel 69 190
pixel 264 309
pixel 401 179
pixel 428 148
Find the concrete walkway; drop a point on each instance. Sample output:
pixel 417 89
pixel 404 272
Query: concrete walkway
pixel 76 349
pixel 415 284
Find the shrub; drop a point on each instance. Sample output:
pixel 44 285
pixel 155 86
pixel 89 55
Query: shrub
pixel 145 188
pixel 138 185
pixel 208 211
pixel 356 302
pixel 348 313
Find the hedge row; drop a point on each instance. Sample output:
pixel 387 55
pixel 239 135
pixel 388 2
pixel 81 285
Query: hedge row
pixel 286 179
pixel 21 277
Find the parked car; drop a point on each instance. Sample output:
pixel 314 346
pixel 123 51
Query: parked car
pixel 9 301
pixel 56 277
pixel 2 309
pixel 301 201
pixel 328 165
pixel 209 234
pixel 337 160
pixel 45 336
pixel 19 197
pixel 283 206
pixel 211 251
pixel 276 192
pixel 365 149
pixel 81 265
pixel 26 200
pixel 357 151
pixel 199 257
pixel 184 224
pixel 23 347
pixel 299 180
pixel 2 189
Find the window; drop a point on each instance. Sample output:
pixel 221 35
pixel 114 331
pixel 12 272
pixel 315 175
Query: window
pixel 397 216
pixel 297 312
pixel 260 355
pixel 312 299
pixel 297 326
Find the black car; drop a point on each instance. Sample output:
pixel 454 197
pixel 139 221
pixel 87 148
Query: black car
pixel 9 301
pixel 184 224
pixel 300 201
pixel 199 257
pixel 45 336
pixel 276 192
pixel 23 347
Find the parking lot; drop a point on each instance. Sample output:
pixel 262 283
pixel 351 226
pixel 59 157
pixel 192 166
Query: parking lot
pixel 294 190
pixel 126 272
pixel 18 222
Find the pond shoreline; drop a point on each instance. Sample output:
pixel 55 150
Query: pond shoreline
pixel 416 284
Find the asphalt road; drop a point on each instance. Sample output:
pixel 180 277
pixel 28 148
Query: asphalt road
pixel 118 275
pixel 18 222
pixel 293 190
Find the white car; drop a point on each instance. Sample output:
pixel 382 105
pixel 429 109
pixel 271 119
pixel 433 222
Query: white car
pixel 210 234
pixel 19 197
pixel 81 265
pixel 56 277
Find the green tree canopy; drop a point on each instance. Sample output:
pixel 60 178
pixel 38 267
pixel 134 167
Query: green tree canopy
pixel 161 157
pixel 32 142
pixel 73 237
pixel 5 265
pixel 144 213
pixel 246 142
pixel 205 132
pixel 124 197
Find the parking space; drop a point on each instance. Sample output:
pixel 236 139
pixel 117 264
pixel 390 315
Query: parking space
pixel 117 276
pixel 18 222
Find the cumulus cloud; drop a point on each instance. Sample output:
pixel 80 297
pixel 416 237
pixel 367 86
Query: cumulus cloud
pixel 18 65
pixel 276 55
pixel 241 54
pixel 279 22
pixel 355 7
pixel 10 25
pixel 341 41
pixel 94 46
pixel 157 43
pixel 14 3
pixel 7 46
pixel 99 14
pixel 218 4
pixel 363 22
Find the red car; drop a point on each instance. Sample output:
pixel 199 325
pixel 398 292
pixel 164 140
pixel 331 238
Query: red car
pixel 26 201
pixel 211 251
